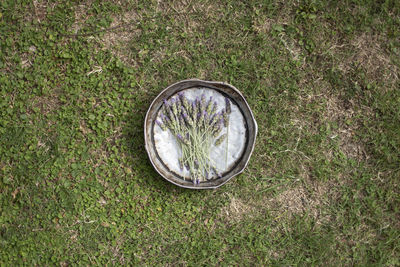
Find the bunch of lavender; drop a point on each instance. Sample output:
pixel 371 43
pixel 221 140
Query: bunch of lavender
pixel 196 125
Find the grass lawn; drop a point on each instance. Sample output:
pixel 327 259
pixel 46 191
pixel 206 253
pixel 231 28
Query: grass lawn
pixel 322 186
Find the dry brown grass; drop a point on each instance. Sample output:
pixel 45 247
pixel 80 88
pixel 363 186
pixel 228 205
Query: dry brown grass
pixel 117 41
pixel 46 103
pixel 81 15
pixel 236 209
pixel 374 59
pixel 40 9
pixel 307 199
pixel 365 51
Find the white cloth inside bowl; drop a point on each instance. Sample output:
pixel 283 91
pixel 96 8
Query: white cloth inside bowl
pixel 169 149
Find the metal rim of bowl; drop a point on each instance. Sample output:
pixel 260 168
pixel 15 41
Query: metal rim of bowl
pixel 223 88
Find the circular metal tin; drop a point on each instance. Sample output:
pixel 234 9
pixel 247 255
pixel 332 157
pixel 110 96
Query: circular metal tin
pixel 223 88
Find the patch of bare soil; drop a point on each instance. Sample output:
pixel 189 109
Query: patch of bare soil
pixel 344 115
pixel 307 199
pixel 117 40
pixel 188 17
pixel 236 210
pixel 40 9
pixel 46 104
pixel 303 200
pixel 371 56
pixel 81 15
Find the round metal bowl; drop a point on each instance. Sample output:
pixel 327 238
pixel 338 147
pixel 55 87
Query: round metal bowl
pixel 250 132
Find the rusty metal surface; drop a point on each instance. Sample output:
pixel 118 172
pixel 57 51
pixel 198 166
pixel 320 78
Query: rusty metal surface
pixel 224 88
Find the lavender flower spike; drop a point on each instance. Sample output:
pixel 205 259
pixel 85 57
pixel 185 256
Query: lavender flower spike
pixel 202 116
pixel 188 120
pixel 216 130
pixel 225 118
pixel 181 163
pixel 220 140
pixel 174 107
pixel 205 116
pixel 227 105
pixel 219 175
pixel 214 118
pixel 183 140
pixel 184 101
pixel 214 108
pixel 162 126
pixel 197 102
pixel 210 105
pixel 195 112
pixel 180 138
pixel 203 102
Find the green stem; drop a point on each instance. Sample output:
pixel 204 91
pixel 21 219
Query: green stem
pixel 227 144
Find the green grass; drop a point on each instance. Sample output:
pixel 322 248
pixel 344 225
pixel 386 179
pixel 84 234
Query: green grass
pixel 322 186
